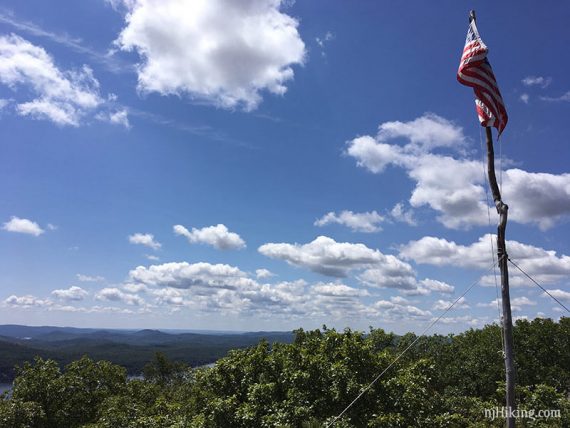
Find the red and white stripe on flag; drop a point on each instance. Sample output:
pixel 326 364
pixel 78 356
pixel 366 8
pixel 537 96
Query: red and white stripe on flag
pixel 476 72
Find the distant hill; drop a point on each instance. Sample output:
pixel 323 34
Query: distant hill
pixel 129 348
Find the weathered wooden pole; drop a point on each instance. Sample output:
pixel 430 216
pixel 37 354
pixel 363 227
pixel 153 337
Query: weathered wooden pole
pixel 507 320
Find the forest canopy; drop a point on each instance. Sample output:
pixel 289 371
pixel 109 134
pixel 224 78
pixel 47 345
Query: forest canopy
pixel 442 381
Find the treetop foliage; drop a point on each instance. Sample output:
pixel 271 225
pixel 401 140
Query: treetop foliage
pixel 443 381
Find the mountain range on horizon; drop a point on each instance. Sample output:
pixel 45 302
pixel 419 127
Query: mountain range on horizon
pixel 132 349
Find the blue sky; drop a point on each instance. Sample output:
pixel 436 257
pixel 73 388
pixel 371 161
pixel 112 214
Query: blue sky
pixel 270 165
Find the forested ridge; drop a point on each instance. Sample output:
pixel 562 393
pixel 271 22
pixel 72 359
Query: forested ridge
pixel 130 349
pixel 442 381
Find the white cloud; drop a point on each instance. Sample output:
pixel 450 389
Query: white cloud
pixel 367 222
pixel 516 303
pixel 460 200
pixel 184 275
pixel 543 265
pixel 522 301
pixel 23 225
pixel 3 103
pixel 336 301
pixel 63 97
pixel 27 301
pixel 146 239
pixel 400 214
pixel 455 187
pixel 470 320
pixel 221 51
pixel 73 293
pixel 428 132
pixel 543 82
pixel 263 273
pixel 395 310
pixel 217 236
pixel 135 288
pixel 372 155
pixel 390 273
pixel 442 305
pixel 563 97
pixel 437 286
pixel 541 198
pixel 441 252
pixel 222 288
pixel 525 98
pixel 110 62
pixel 559 294
pixel 152 257
pixel 338 259
pixel 118 117
pixel 89 278
pixel 324 255
pixel 116 295
pixel 338 290
pixel 217 288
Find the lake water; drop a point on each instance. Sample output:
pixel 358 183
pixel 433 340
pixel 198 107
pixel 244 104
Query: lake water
pixel 8 386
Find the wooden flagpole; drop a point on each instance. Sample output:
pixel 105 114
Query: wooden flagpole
pixel 502 210
pixel 502 256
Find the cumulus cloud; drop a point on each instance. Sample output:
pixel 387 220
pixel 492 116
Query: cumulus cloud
pixel 400 214
pixel 428 132
pixel 559 294
pixel 516 303
pixel 394 310
pixel 185 275
pixel 338 290
pixel 117 117
pixel 217 236
pixel 525 98
pixel 541 198
pixel 541 81
pixel 72 293
pixel 391 273
pixel 222 288
pixel 324 255
pixel 470 320
pixel 544 265
pixel 27 301
pixel 367 222
pixel 263 273
pixel 336 300
pixel 455 186
pixel 216 287
pixel 23 225
pixel 221 51
pixel 62 97
pixel 338 259
pixel 442 305
pixel 437 286
pixel 146 239
pixel 116 295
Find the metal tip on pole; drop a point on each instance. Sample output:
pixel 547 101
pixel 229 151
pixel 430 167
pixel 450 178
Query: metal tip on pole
pixel 472 16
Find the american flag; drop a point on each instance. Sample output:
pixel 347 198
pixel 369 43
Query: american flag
pixel 475 71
